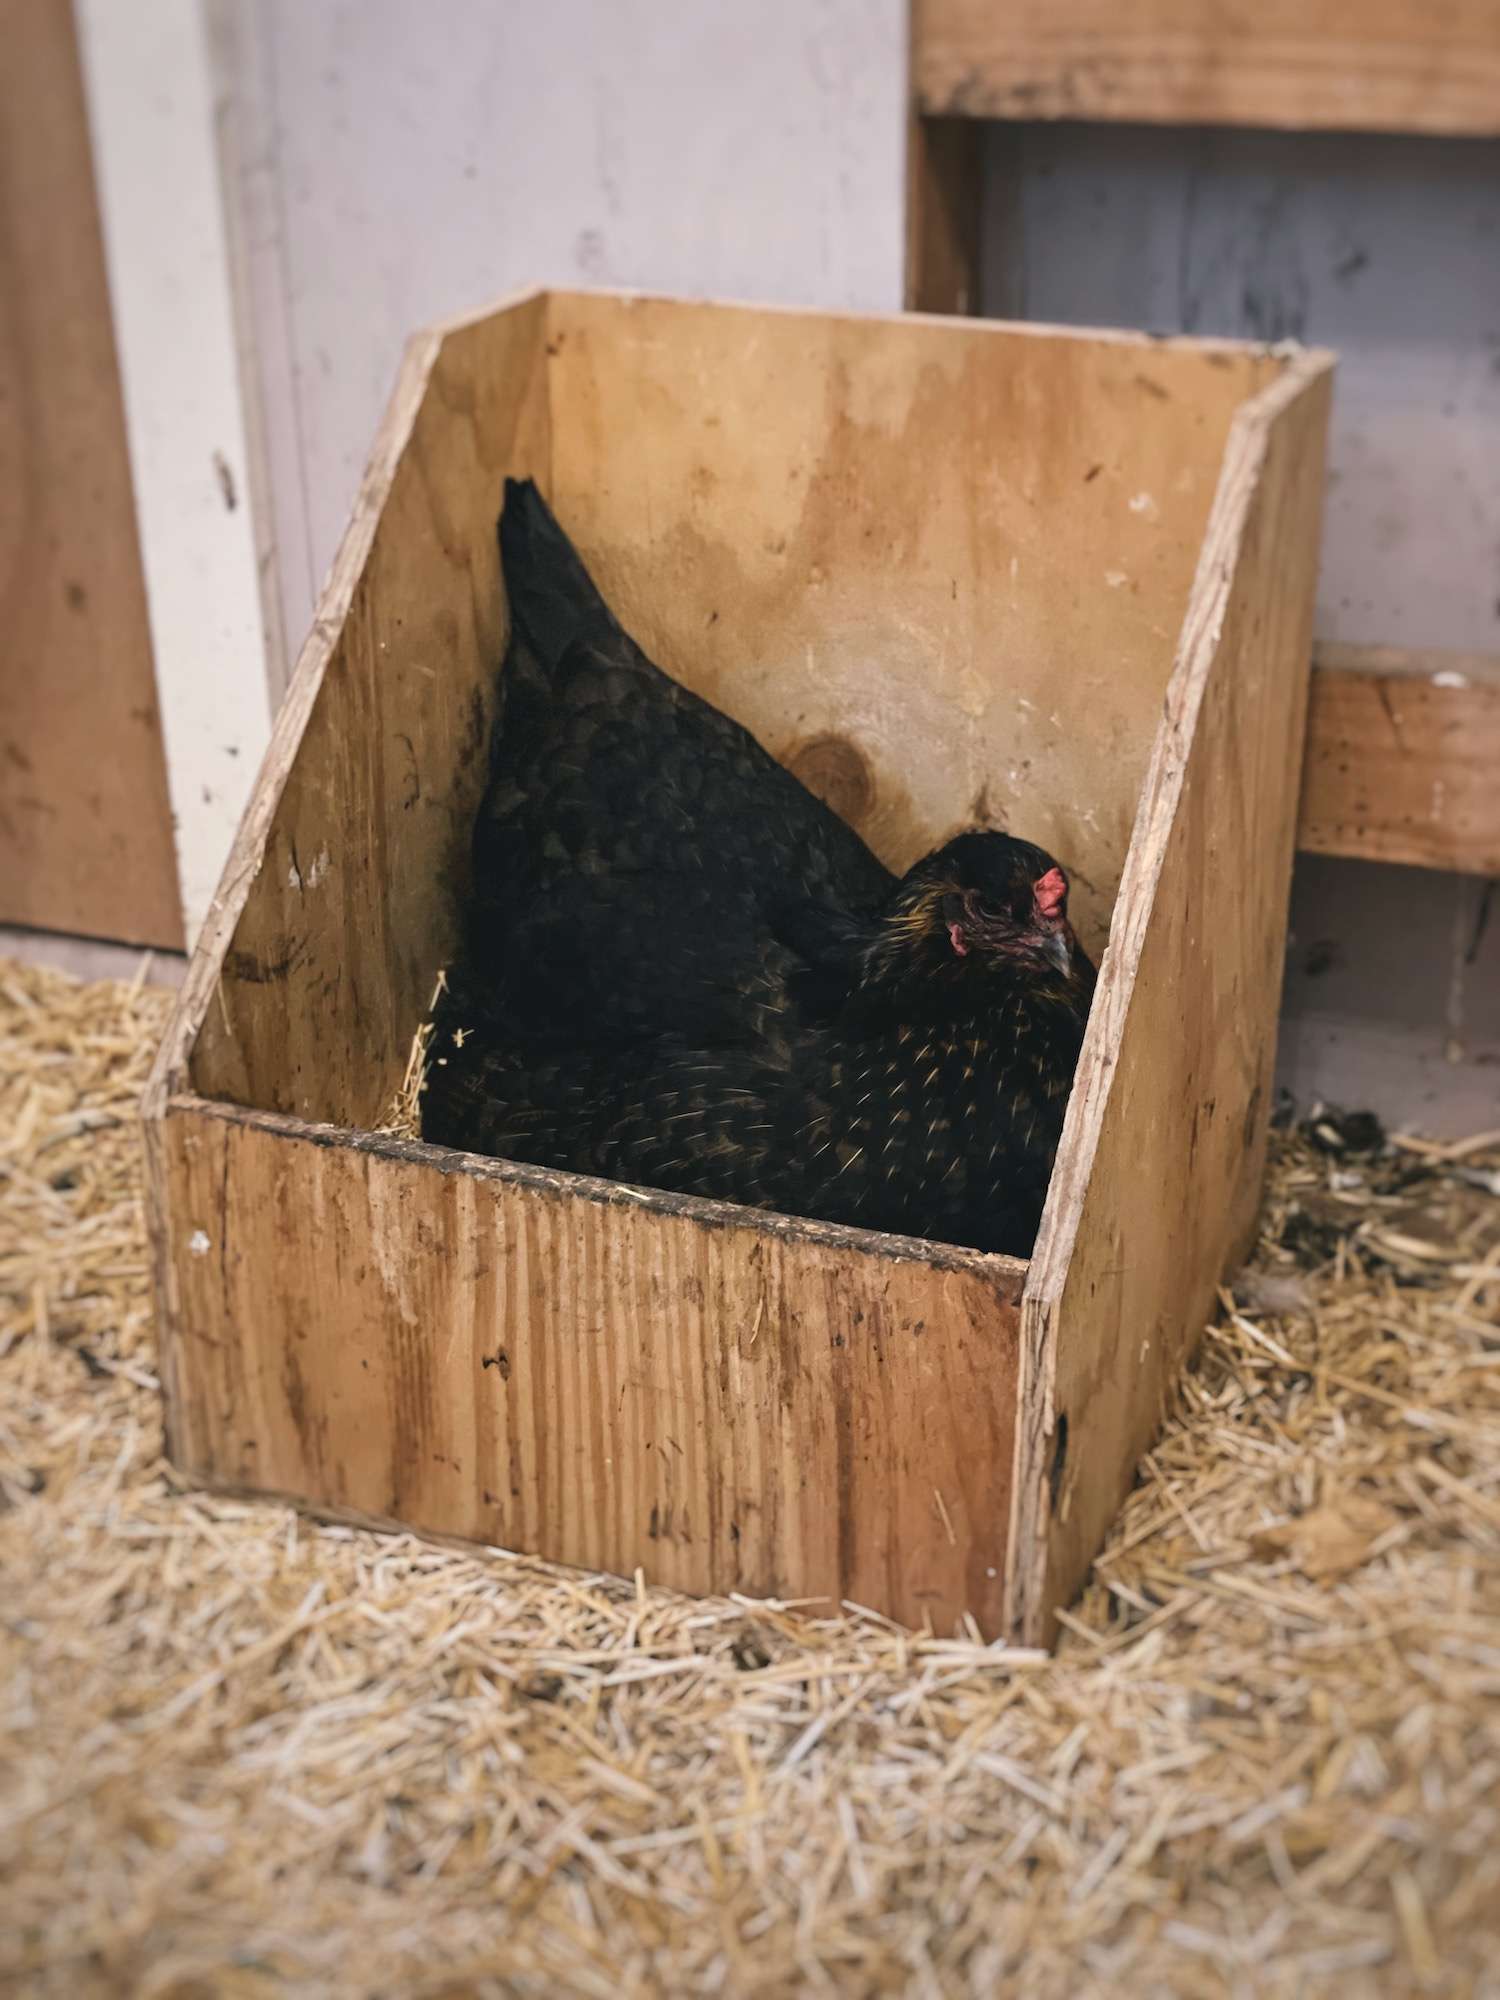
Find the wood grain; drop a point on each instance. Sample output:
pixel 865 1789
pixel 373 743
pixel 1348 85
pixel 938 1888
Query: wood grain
pixel 1305 65
pixel 1159 1173
pixel 1403 758
pixel 730 1402
pixel 85 823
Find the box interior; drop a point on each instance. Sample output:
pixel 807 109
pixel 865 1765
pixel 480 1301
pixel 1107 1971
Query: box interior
pixel 938 568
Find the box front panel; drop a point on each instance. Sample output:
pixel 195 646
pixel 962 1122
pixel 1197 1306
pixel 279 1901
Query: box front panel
pixel 726 1404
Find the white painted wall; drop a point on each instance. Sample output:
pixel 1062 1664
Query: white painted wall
pixel 403 162
pixel 153 126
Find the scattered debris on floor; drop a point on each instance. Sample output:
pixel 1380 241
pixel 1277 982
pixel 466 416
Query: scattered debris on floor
pixel 242 1754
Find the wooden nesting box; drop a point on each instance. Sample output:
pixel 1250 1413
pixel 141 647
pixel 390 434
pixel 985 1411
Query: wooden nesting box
pixel 951 573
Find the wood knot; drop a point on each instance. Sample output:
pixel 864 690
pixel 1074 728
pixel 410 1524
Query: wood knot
pixel 837 772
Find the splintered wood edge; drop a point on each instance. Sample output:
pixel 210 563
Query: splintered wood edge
pixel 169 1070
pixel 1197 648
pixel 1050 330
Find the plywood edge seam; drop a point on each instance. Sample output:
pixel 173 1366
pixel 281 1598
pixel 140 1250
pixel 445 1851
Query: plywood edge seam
pixel 1244 459
pixel 1244 456
pixel 168 1072
pixel 1091 336
pixel 442 330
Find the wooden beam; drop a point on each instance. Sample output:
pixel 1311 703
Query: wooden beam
pixel 1301 65
pixel 944 181
pixel 85 824
pixel 1403 758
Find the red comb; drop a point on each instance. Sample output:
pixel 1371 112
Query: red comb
pixel 1050 892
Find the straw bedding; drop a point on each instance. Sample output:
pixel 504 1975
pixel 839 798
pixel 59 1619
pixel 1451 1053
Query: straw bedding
pixel 241 1754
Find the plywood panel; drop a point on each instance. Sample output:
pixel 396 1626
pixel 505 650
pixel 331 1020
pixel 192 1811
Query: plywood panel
pixel 553 1365
pixel 1350 65
pixel 957 554
pixel 1159 1173
pixel 1403 759
pixel 85 825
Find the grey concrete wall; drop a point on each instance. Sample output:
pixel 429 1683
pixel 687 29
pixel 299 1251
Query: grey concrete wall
pixel 1389 250
pixel 1393 994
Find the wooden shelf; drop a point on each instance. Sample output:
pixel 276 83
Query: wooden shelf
pixel 1403 758
pixel 1302 65
pixel 85 820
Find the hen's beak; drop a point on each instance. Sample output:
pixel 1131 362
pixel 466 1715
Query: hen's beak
pixel 1058 946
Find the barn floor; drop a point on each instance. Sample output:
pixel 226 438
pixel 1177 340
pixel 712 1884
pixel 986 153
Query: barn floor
pixel 241 1754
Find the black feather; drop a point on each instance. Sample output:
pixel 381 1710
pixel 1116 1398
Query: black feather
pixel 553 601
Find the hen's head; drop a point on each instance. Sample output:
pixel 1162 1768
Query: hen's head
pixel 985 903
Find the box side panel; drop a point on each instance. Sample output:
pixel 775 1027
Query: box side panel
pixel 937 569
pixel 353 908
pixel 377 1328
pixel 1159 1175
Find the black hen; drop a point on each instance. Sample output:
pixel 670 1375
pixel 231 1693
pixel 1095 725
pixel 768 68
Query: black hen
pixel 682 971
